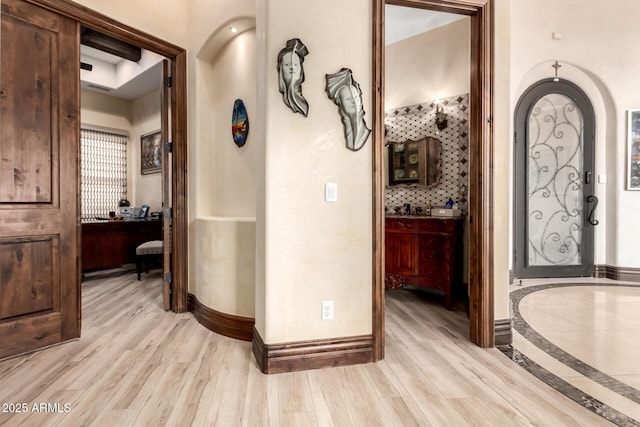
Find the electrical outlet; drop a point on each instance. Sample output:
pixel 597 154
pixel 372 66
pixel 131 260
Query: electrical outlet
pixel 327 310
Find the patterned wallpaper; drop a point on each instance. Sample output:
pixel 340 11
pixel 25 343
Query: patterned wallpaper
pixel 417 121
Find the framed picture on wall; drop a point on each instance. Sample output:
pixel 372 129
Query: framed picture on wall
pixel 633 147
pixel 151 152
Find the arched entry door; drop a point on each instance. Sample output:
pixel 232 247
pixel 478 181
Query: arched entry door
pixel 553 169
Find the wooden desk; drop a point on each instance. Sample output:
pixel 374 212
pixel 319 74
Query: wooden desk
pixel 109 244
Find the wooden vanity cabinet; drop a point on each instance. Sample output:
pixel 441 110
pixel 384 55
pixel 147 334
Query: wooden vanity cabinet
pixel 425 252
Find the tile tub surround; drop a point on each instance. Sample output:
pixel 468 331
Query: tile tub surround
pixel 417 121
pixel 581 347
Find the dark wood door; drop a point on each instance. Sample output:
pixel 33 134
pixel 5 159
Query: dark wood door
pixel 39 218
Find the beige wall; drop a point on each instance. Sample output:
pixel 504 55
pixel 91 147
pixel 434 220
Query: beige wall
pixel 226 180
pixel 315 251
pixel 307 251
pixel 224 191
pixel 102 110
pixel 429 66
pixel 502 158
pixel 225 264
pixel 145 118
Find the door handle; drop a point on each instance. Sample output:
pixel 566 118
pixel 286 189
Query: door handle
pixel 588 177
pixel 594 200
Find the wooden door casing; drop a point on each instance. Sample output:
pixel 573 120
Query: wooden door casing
pixel 178 119
pixel 39 215
pixel 167 223
pixel 481 167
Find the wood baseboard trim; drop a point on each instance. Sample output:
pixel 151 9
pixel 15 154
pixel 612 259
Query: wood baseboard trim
pixel 237 327
pixel 312 354
pixel 627 274
pixel 503 334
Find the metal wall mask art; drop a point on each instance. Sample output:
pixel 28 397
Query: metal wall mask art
pixel 291 75
pixel 345 92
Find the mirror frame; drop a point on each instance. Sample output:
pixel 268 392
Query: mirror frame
pixel 422 174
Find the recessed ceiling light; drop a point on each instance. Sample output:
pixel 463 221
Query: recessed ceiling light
pixel 233 29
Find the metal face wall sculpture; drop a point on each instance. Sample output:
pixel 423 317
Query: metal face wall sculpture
pixel 291 75
pixel 345 92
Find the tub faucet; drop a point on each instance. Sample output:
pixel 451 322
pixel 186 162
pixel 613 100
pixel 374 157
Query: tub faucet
pixel 407 208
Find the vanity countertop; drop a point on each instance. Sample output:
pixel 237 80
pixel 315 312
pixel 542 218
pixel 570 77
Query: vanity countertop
pixel 390 216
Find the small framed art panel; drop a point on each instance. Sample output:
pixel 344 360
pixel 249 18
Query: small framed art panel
pixel 633 147
pixel 151 152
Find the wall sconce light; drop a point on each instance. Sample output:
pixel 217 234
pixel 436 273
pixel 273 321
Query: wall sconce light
pixel 441 118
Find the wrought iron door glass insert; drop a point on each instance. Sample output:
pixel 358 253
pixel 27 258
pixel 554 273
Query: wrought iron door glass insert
pixel 555 190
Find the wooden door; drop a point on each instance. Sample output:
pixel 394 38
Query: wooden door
pixel 167 212
pixel 39 215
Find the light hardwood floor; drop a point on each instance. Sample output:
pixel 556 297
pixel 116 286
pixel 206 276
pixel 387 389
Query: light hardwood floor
pixel 137 365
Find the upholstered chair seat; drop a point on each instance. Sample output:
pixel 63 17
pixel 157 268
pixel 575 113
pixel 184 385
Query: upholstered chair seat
pixel 146 254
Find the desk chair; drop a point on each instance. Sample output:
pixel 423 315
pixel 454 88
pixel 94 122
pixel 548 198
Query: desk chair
pixel 148 253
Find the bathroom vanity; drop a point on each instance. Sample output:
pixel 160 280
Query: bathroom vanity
pixel 424 251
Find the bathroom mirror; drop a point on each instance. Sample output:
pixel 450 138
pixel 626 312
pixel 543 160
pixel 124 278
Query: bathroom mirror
pixel 415 163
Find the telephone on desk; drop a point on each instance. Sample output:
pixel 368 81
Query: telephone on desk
pixel 144 211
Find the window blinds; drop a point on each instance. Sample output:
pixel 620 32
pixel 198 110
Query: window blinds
pixel 103 172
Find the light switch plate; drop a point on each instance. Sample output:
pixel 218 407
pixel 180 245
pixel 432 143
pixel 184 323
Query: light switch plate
pixel 331 192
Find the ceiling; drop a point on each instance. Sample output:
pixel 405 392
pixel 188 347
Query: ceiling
pixel 114 76
pixel 404 22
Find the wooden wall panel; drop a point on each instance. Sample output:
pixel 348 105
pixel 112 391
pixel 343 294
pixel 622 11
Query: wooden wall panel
pixel 27 282
pixel 27 334
pixel 25 137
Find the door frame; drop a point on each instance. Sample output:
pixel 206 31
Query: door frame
pixel 178 116
pixel 481 175
pixel 520 220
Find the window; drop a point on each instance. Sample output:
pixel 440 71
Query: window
pixel 103 172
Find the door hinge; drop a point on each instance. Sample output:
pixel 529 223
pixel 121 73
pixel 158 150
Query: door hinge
pixel 167 212
pixel 168 147
pixel 168 81
pixel 168 278
pixel 515 137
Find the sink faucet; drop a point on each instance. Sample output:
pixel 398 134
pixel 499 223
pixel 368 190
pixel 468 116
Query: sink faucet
pixel 407 208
